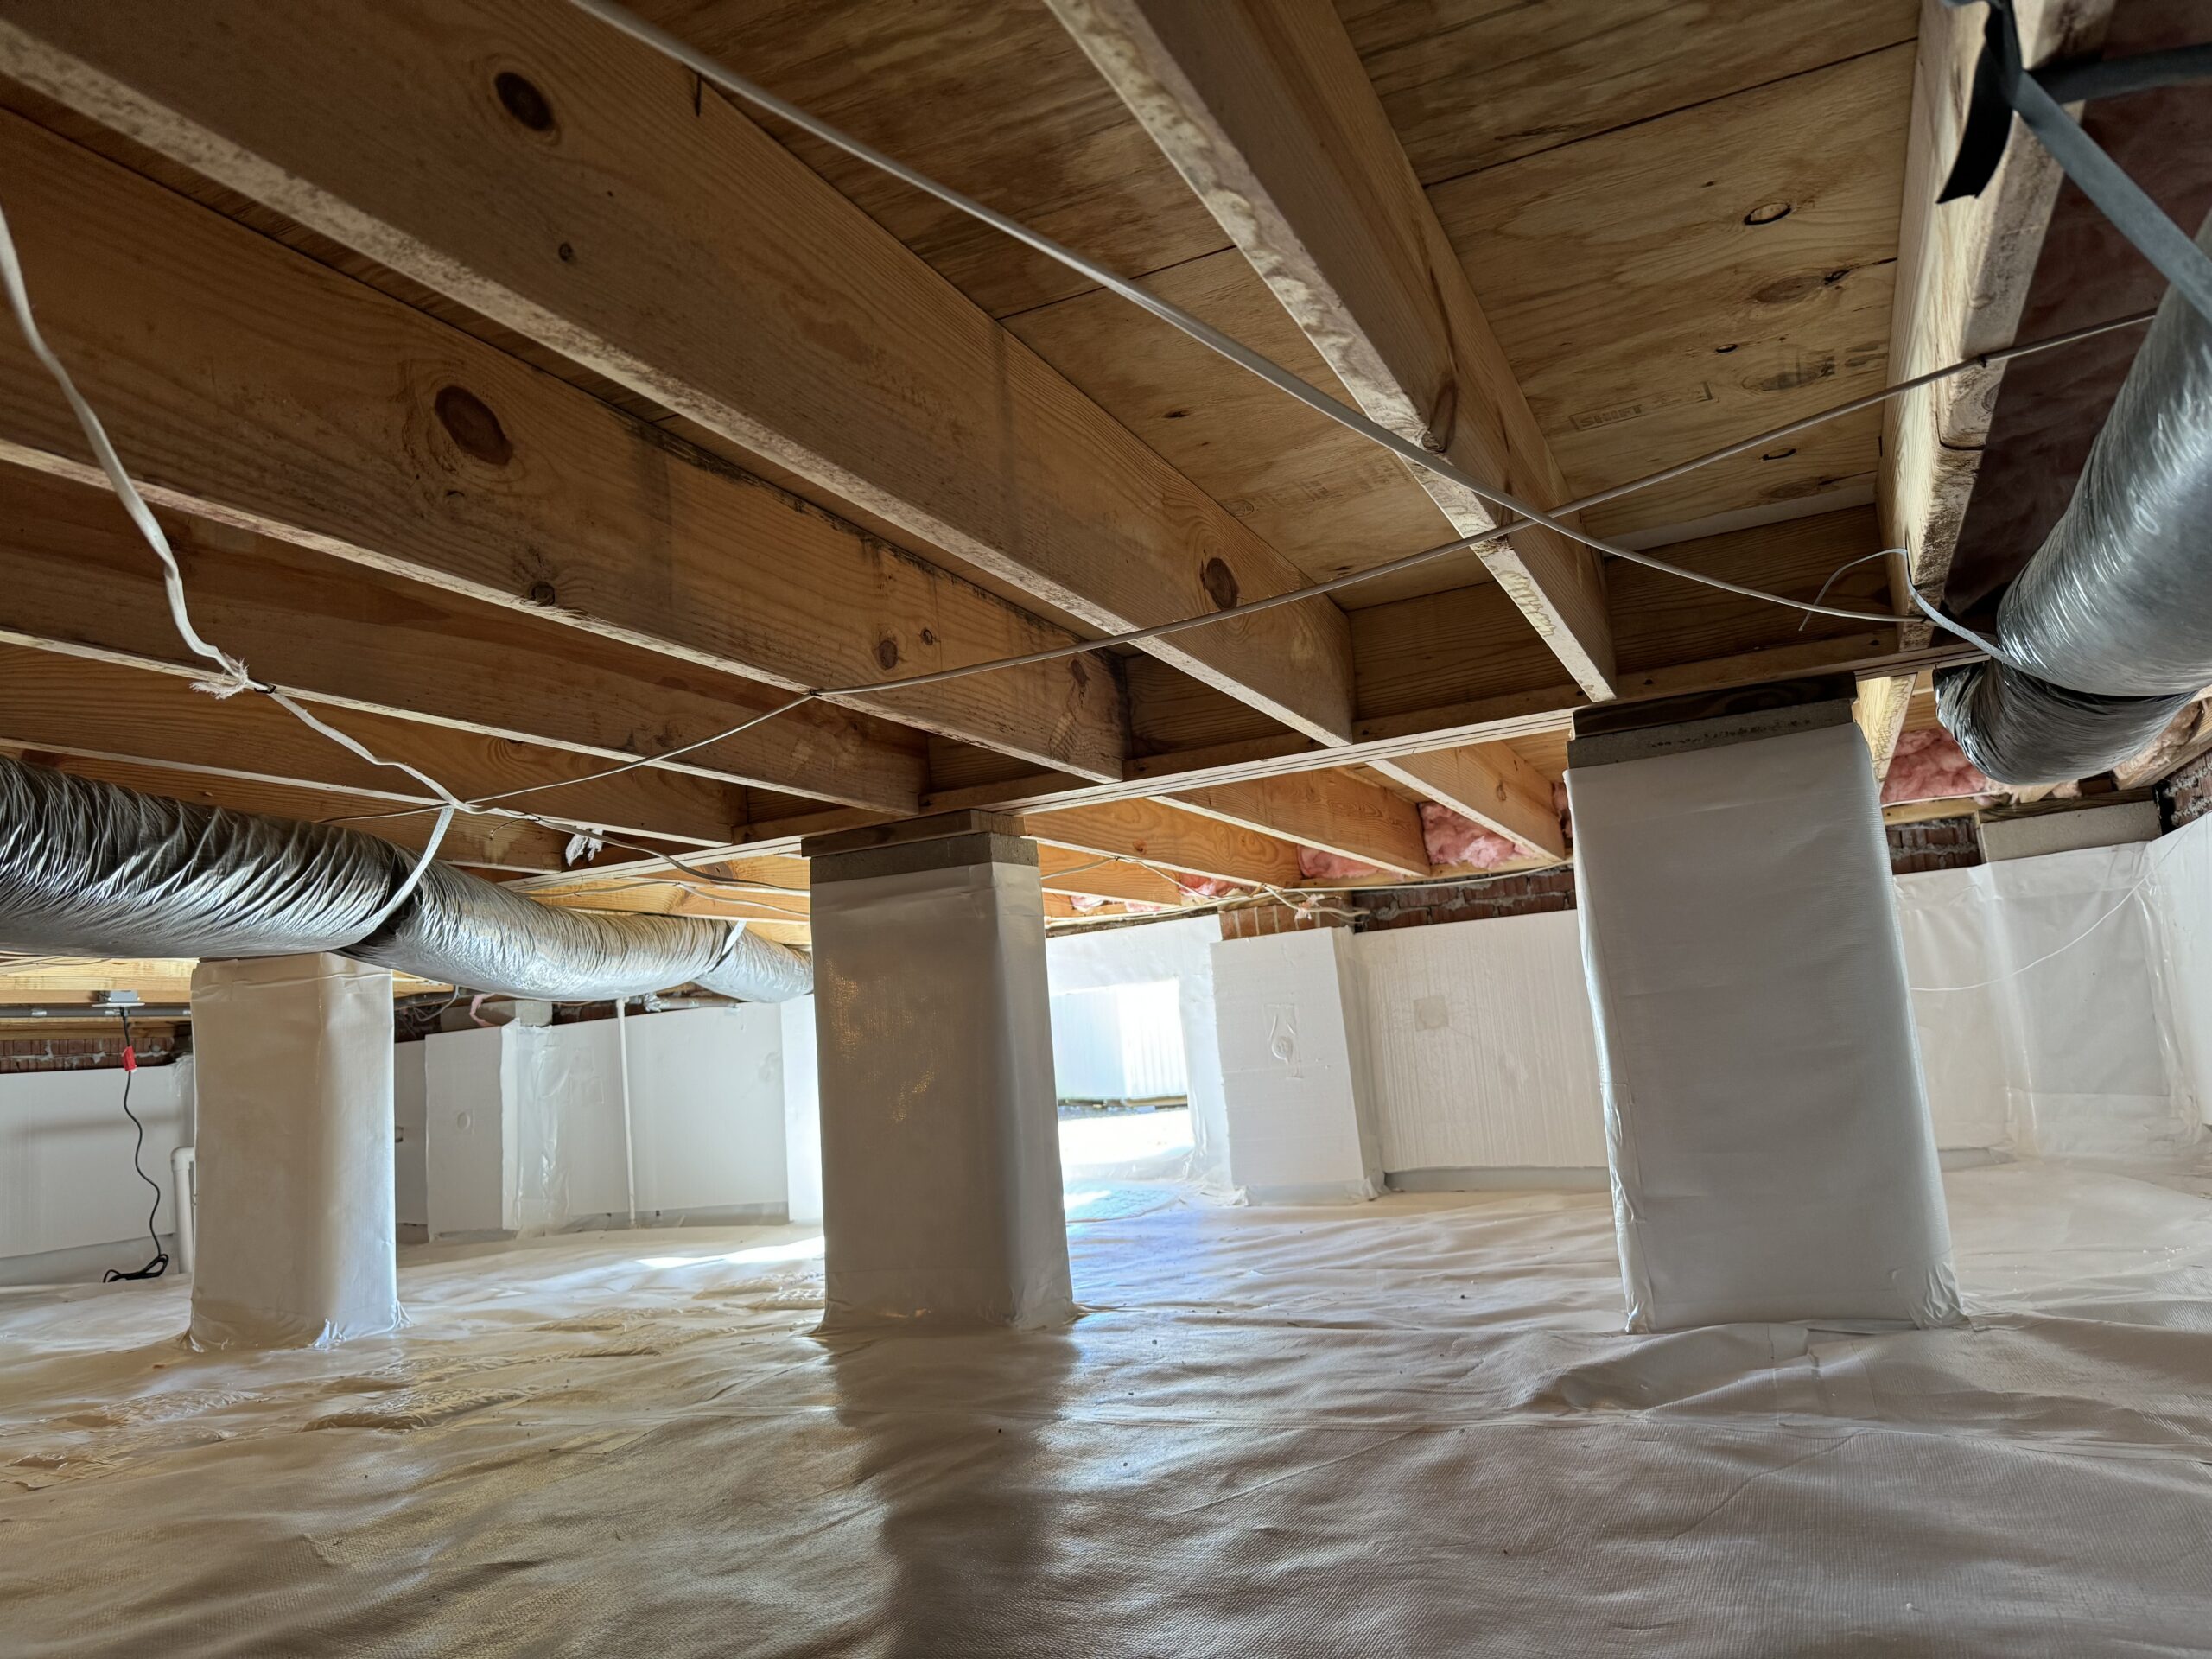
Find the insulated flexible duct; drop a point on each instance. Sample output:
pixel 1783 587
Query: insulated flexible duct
pixel 2107 634
pixel 89 868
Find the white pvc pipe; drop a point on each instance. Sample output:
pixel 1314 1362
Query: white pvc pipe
pixel 629 1151
pixel 183 1171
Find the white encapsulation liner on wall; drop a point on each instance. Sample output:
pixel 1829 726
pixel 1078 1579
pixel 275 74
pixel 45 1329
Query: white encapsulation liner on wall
pixel 2053 997
pixel 524 1123
pixel 2181 891
pixel 1483 1056
pixel 1181 950
pixel 71 1206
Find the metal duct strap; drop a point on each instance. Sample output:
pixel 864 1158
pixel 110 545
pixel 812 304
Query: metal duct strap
pixel 89 868
pixel 2108 630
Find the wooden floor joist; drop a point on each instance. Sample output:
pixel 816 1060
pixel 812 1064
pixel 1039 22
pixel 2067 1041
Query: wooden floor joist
pixel 1263 105
pixel 74 705
pixel 1331 812
pixel 285 398
pixel 532 406
pixel 1093 876
pixel 1489 784
pixel 618 216
pixel 1173 839
pixel 1963 271
pixel 75 577
pixel 498 845
pixel 780 917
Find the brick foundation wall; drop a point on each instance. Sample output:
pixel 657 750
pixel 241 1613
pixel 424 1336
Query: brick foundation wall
pixel 156 1047
pixel 1938 844
pixel 1258 921
pixel 1504 895
pixel 2187 796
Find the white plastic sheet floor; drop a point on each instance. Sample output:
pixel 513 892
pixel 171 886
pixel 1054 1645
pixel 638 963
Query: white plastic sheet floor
pixel 1406 1427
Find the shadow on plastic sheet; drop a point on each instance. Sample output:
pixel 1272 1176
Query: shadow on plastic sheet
pixel 953 1431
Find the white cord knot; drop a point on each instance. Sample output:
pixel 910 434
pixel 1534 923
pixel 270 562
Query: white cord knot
pixel 233 680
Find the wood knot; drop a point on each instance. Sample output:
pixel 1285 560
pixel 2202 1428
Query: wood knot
pixel 1220 583
pixel 520 97
pixel 471 423
pixel 1436 438
pixel 544 593
pixel 887 653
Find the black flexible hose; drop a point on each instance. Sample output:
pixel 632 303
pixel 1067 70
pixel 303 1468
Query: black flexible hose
pixel 159 1265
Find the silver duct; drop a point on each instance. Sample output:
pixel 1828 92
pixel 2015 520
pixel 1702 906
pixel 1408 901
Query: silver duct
pixel 89 868
pixel 2108 633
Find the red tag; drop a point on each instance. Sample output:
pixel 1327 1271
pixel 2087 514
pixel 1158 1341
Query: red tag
pixel 130 1058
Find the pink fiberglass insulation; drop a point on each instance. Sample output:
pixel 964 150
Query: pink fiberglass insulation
pixel 1205 886
pixel 1453 839
pixel 1929 765
pixel 1318 866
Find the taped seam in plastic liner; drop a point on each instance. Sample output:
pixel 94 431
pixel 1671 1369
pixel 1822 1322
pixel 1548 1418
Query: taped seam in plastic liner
pixel 96 869
pixel 1771 1152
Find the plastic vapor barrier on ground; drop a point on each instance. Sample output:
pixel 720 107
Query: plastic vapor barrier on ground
pixel 1413 1427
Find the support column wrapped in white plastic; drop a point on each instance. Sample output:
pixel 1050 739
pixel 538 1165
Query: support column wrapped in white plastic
pixel 940 1132
pixel 295 1155
pixel 1295 1068
pixel 1767 1128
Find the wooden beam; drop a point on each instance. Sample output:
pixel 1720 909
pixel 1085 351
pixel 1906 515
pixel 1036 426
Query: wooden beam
pixel 583 192
pixel 1490 784
pixel 1460 668
pixel 73 705
pixel 1264 107
pixel 1330 810
pixel 782 917
pixel 511 845
pixel 1158 834
pixel 72 983
pixel 1963 271
pixel 74 576
pixel 248 383
pixel 1883 702
pixel 2188 737
pixel 1095 876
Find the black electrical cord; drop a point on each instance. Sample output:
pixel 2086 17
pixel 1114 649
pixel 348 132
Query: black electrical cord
pixel 159 1265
